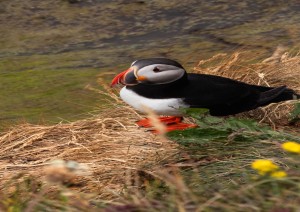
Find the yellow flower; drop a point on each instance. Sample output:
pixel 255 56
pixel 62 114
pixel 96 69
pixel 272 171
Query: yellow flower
pixel 264 166
pixel 291 146
pixel 278 174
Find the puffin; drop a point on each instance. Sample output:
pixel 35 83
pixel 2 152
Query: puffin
pixel 164 86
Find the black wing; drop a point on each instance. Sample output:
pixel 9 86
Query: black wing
pixel 225 96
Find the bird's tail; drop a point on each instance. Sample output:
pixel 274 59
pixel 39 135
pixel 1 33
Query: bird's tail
pixel 278 94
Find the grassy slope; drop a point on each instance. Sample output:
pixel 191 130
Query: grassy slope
pixel 212 173
pixel 32 85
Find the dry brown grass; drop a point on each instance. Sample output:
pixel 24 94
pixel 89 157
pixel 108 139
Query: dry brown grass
pixel 109 144
pixel 112 146
pixel 277 70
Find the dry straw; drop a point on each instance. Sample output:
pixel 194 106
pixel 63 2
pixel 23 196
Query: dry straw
pixel 277 70
pixel 111 145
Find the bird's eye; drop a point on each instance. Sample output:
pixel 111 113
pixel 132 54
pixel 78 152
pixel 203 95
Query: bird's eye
pixel 156 70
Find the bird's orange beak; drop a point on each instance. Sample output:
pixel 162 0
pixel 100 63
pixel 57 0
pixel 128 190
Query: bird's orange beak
pixel 128 77
pixel 119 79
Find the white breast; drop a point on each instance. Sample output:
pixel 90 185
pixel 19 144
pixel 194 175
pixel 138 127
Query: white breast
pixel 168 107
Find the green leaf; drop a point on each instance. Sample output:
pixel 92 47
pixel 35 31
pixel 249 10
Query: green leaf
pixel 198 135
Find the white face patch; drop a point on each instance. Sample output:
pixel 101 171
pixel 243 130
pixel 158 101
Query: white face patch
pixel 161 73
pixel 167 107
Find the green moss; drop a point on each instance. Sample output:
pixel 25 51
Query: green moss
pixel 47 94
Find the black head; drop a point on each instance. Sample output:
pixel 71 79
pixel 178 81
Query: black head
pixel 151 71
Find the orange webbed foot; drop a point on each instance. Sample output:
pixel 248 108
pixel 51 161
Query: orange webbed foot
pixel 172 123
pixel 180 126
pixel 167 120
